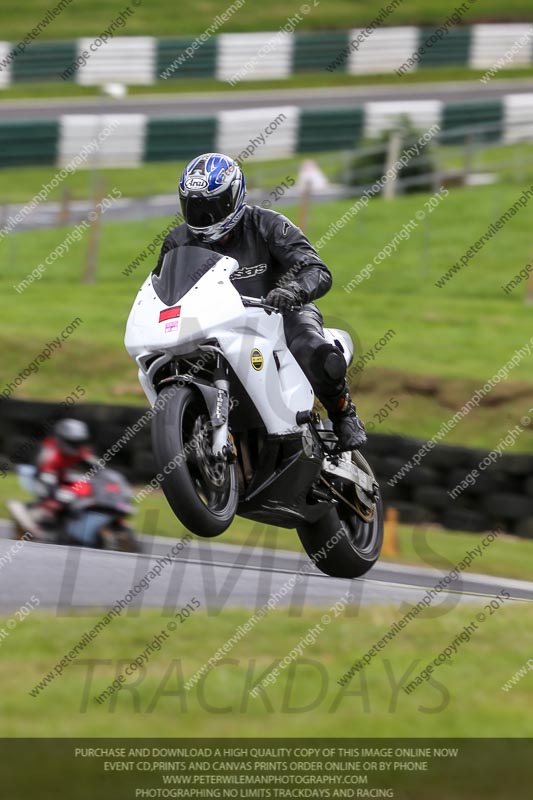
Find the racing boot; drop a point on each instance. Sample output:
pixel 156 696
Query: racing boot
pixel 349 429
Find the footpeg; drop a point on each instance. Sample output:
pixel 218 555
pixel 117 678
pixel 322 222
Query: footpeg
pixel 304 417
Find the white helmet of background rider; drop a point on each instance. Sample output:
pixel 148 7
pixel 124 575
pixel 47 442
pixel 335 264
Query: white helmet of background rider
pixel 212 192
pixel 71 435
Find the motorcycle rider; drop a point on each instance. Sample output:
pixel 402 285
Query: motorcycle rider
pixel 67 448
pixel 276 262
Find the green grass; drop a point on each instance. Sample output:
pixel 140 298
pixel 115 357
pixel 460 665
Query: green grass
pixel 462 701
pixel 160 17
pixel 461 334
pixel 21 184
pixel 513 163
pixel 420 546
pixel 302 80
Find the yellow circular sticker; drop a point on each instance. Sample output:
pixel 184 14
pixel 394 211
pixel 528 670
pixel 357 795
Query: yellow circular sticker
pixel 256 357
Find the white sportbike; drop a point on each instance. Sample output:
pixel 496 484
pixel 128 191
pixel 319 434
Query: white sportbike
pixel 234 431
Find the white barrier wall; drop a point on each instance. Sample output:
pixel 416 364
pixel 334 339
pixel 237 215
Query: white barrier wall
pixel 123 59
pixel 492 42
pixel 382 116
pixel 254 56
pixel 384 51
pixel 114 140
pixel 238 130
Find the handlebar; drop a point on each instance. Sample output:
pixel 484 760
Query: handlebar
pixel 256 302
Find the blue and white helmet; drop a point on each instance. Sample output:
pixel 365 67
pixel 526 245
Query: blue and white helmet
pixel 212 191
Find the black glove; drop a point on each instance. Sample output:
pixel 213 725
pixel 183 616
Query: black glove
pixel 285 298
pixel 45 485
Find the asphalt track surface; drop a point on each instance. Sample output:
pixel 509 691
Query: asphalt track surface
pixel 65 578
pixel 47 215
pixel 208 103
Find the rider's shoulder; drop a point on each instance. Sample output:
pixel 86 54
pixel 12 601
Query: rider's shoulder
pixel 178 235
pixel 266 219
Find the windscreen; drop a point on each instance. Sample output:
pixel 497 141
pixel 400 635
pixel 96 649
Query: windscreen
pixel 180 270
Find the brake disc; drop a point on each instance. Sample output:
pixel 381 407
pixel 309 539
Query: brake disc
pixel 214 471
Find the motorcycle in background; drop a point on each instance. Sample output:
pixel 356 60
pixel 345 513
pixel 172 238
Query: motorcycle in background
pixel 94 511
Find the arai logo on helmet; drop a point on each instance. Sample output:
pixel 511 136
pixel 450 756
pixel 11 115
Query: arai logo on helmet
pixel 196 182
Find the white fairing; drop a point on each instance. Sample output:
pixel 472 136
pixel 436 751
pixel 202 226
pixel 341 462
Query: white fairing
pixel 213 309
pixel 342 340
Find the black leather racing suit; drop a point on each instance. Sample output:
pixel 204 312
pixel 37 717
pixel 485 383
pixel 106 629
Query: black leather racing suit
pixel 272 252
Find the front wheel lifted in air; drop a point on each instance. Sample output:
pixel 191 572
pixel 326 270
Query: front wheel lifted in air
pixel 202 492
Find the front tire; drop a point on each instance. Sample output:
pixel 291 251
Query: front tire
pixel 341 544
pixel 202 495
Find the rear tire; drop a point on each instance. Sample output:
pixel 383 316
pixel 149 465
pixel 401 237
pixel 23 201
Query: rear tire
pixel 341 544
pixel 203 496
pixel 122 540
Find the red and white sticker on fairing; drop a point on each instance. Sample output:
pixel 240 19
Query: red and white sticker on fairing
pixel 169 313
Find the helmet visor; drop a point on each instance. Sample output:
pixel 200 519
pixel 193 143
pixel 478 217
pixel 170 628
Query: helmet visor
pixel 71 448
pixel 201 212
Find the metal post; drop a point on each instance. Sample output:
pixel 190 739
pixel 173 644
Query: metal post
pixel 393 154
pixel 91 262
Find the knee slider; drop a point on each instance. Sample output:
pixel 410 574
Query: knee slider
pixel 335 366
pixel 330 360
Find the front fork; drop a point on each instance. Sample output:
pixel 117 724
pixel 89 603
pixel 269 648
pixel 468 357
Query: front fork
pixel 217 400
pixel 220 419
